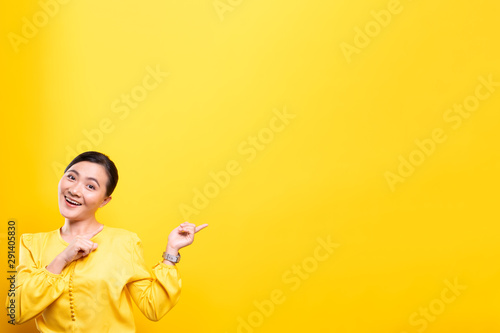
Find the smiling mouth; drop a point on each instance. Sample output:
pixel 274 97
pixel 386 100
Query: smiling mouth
pixel 72 202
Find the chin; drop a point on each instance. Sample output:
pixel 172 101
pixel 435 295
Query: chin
pixel 67 213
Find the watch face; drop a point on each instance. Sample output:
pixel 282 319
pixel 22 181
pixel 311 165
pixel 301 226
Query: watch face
pixel 171 258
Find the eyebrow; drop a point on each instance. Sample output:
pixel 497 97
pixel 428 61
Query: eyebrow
pixel 91 178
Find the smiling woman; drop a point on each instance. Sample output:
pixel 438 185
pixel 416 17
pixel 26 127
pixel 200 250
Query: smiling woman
pixel 83 276
pixel 88 181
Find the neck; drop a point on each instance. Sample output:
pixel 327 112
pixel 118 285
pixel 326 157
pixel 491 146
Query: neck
pixel 74 228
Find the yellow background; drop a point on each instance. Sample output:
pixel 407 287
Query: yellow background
pixel 323 176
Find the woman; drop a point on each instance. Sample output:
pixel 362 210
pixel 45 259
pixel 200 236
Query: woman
pixel 84 276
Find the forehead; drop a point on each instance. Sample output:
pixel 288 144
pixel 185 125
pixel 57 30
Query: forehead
pixel 87 169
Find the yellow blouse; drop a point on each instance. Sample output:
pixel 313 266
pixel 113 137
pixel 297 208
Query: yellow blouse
pixel 94 293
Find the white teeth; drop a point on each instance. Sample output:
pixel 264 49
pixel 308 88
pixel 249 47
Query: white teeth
pixel 73 202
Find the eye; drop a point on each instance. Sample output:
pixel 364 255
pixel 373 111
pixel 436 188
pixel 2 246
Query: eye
pixel 70 176
pixel 90 186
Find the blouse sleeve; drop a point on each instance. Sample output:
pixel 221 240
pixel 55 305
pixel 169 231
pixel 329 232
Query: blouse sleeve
pixel 36 288
pixel 156 292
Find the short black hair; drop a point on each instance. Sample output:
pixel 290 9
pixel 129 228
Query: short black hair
pixel 101 159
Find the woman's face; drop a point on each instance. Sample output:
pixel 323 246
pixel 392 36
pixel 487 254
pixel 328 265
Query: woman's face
pixel 82 190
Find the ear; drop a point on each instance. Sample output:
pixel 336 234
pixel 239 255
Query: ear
pixel 106 200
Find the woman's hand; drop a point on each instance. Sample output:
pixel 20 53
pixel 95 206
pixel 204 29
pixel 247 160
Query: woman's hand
pixel 79 247
pixel 182 236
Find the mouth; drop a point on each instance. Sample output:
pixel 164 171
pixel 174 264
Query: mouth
pixel 72 203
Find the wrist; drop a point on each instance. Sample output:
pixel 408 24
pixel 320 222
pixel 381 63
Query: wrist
pixel 61 261
pixel 172 251
pixel 56 266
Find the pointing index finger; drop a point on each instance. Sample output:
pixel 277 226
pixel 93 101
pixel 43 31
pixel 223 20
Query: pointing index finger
pixel 200 227
pixel 96 232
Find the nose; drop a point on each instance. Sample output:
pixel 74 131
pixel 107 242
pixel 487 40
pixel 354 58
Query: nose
pixel 74 191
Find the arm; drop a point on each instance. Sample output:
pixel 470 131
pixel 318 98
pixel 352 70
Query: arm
pixel 36 287
pixel 154 293
pixel 157 295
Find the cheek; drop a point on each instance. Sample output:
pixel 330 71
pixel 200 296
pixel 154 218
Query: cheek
pixel 63 183
pixel 94 199
pixel 60 186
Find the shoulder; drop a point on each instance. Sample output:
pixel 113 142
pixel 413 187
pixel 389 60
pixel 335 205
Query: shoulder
pixel 124 239
pixel 40 235
pixel 30 239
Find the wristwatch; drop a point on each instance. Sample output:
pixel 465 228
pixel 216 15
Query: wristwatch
pixel 171 258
